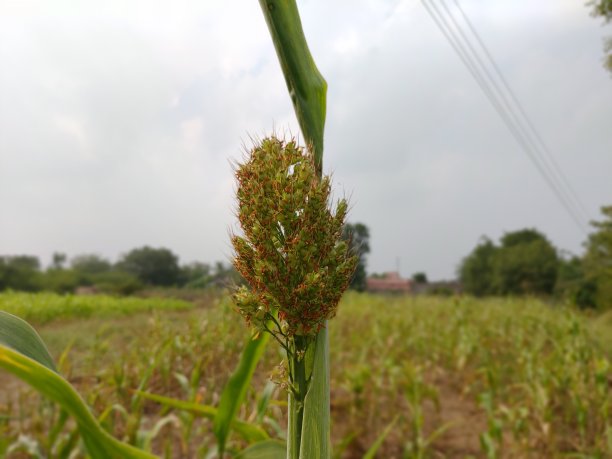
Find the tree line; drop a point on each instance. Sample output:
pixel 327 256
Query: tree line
pixel 139 268
pixel 525 262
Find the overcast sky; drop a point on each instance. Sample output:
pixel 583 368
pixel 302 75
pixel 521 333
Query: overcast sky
pixel 118 121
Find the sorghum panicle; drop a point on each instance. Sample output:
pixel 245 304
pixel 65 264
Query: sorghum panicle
pixel 291 252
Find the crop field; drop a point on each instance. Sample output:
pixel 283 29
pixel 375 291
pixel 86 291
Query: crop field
pixel 441 377
pixel 41 308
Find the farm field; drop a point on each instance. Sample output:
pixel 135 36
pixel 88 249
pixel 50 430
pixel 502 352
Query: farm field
pixel 448 377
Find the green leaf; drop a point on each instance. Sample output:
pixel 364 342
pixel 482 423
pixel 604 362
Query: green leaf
pixel 21 337
pixel 315 438
pixel 98 442
pixel 250 432
pixel 235 389
pixel 371 453
pixel 269 449
pixel 264 400
pixel 306 85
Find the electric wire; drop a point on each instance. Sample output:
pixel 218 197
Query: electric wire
pixel 572 192
pixel 502 108
pixel 518 122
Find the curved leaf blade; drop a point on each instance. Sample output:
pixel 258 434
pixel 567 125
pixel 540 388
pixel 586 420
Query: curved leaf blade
pixel 235 389
pixel 307 87
pixel 98 442
pixel 250 432
pixel 270 449
pixel 315 438
pixel 21 337
pixel 371 453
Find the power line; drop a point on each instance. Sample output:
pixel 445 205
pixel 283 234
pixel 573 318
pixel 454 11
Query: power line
pixel 517 121
pixel 500 102
pixel 526 118
pixel 503 108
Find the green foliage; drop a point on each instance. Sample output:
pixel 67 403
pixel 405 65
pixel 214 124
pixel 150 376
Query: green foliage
pixel 371 453
pixel 58 260
pixel 235 390
pixel 139 268
pixel 269 449
pixel 24 354
pixel 358 237
pixel 572 284
pixel 603 8
pixel 597 262
pixel 20 272
pixel 306 85
pixel 196 275
pixel 518 370
pixel 152 266
pixel 419 278
pixel 18 335
pixel 476 270
pixel 47 307
pixel 90 264
pixel 115 282
pixel 525 263
pixel 249 432
pixel 62 280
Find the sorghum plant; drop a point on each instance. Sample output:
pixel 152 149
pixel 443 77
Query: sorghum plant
pixel 292 255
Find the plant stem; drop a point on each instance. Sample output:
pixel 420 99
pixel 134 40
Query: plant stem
pixel 307 89
pixel 297 394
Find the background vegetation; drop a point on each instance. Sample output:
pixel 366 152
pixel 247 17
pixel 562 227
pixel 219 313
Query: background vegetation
pixel 526 263
pixel 452 377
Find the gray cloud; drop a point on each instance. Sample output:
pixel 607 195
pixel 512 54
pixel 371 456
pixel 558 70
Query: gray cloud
pixel 118 123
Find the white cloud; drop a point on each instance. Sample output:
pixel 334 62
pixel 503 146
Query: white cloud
pixel 118 120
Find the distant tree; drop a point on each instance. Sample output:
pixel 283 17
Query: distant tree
pixel 603 8
pixel 358 236
pixel 116 282
pixel 597 262
pixel 62 280
pixel 196 275
pixel 524 236
pixel 570 271
pixel 476 270
pixel 573 285
pixel 419 278
pixel 90 264
pixel 21 272
pixel 526 262
pixel 152 266
pixel 58 260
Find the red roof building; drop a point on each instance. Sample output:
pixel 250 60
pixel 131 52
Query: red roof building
pixel 390 282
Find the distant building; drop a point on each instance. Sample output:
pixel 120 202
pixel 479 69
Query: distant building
pixel 389 283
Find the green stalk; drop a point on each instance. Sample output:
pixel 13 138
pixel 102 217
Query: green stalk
pixel 297 396
pixel 306 85
pixel 308 430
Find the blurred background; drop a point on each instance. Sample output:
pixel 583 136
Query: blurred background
pixel 119 122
